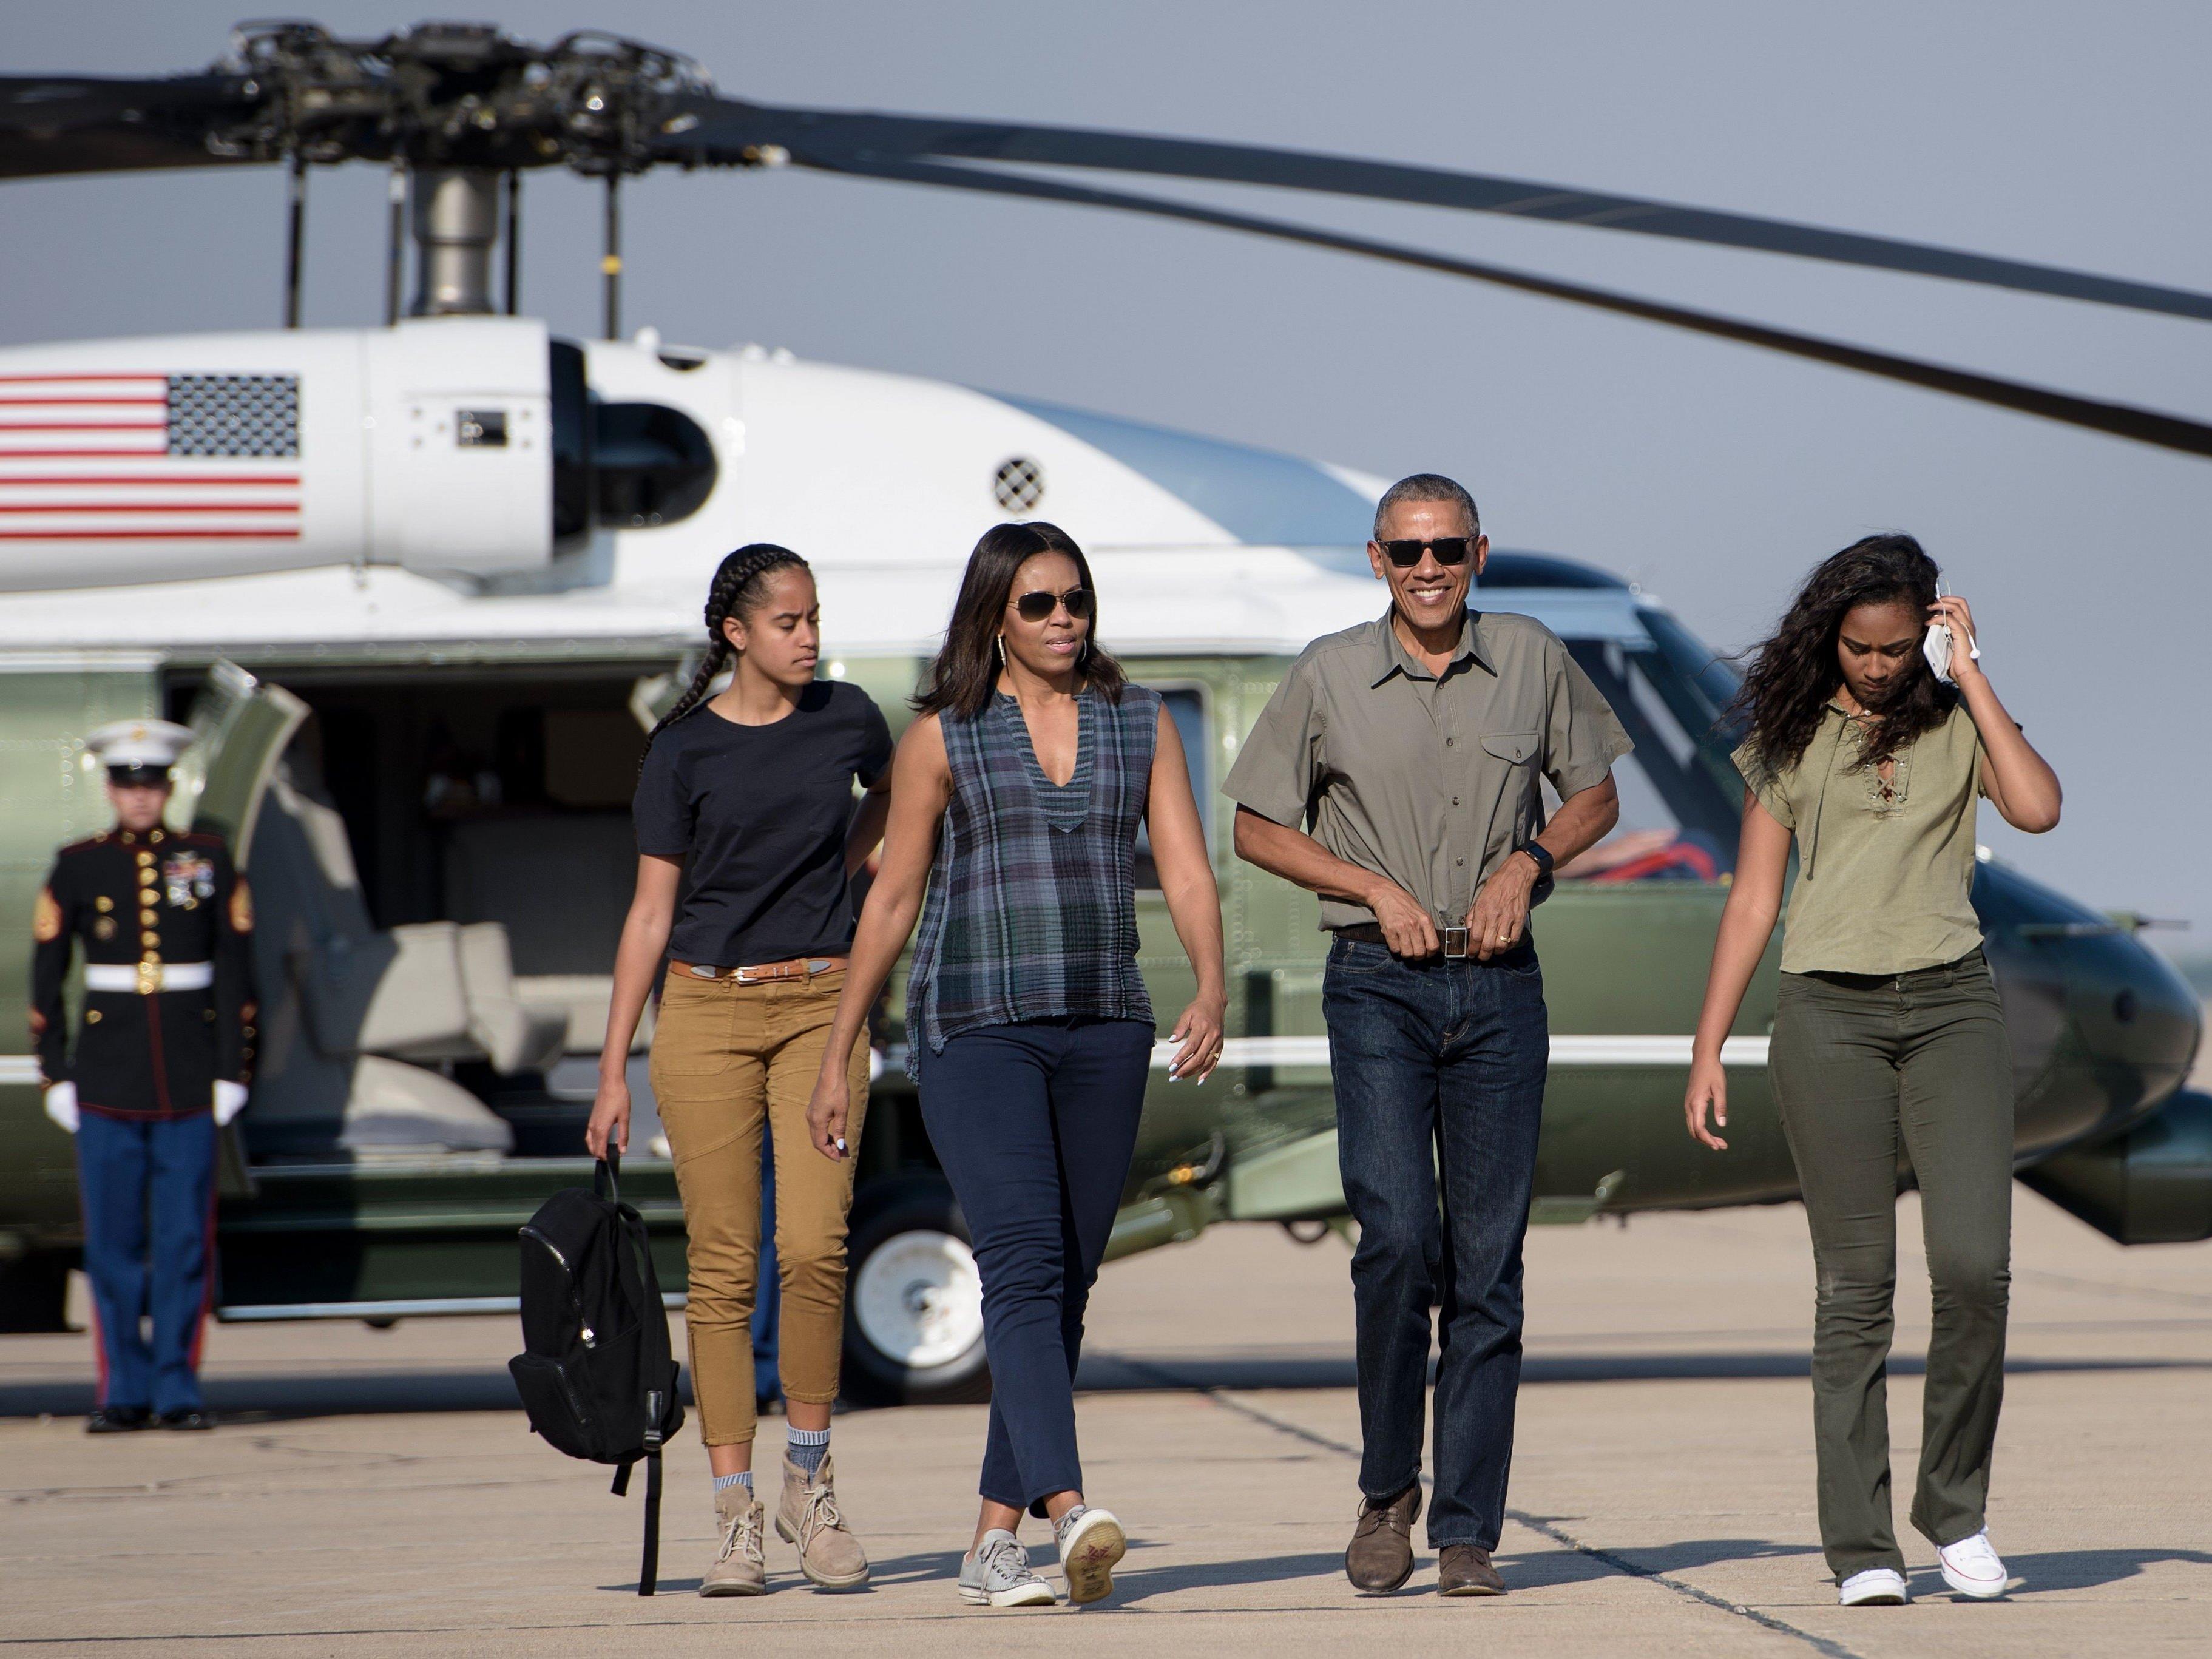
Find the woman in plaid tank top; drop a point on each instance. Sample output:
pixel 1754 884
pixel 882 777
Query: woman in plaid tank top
pixel 1015 801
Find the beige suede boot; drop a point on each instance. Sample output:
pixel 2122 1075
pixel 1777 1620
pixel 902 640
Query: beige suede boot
pixel 829 1555
pixel 740 1564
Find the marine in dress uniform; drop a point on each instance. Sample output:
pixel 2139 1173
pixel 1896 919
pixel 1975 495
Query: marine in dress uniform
pixel 159 1063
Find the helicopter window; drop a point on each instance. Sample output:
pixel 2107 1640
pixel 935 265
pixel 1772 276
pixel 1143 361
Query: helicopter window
pixel 1186 706
pixel 572 443
pixel 654 464
pixel 1677 822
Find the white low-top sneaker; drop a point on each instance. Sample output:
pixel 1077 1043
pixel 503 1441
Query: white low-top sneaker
pixel 1877 1587
pixel 1971 1568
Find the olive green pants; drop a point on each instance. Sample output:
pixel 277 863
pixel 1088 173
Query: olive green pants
pixel 1862 1064
pixel 727 1058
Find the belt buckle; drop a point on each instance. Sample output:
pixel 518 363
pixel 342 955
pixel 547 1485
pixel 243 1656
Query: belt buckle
pixel 1455 943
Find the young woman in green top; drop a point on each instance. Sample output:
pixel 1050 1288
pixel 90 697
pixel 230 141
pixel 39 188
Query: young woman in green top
pixel 1887 1030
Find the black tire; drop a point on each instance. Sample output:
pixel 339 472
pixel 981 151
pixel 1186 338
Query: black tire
pixel 34 1292
pixel 907 1213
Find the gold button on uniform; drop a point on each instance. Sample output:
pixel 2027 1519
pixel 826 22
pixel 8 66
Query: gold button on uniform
pixel 145 858
pixel 149 939
pixel 103 904
pixel 92 1015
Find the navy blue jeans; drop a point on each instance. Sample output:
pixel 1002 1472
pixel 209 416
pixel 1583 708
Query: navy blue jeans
pixel 1439 1077
pixel 1035 1125
pixel 148 1187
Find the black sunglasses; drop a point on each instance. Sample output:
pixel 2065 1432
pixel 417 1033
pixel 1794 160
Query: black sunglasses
pixel 1449 549
pixel 1036 607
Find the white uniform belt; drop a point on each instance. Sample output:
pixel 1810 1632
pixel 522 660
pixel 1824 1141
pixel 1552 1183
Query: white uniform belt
pixel 148 977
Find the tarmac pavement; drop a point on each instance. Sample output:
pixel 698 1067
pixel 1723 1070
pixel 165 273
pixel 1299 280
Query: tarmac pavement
pixel 376 1493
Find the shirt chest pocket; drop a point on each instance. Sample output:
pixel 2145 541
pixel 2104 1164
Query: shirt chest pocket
pixel 1508 761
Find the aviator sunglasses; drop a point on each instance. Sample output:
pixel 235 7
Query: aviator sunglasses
pixel 1036 607
pixel 1449 549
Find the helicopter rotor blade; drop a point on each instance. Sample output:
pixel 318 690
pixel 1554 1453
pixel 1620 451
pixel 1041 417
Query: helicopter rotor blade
pixel 2117 420
pixel 727 130
pixel 67 124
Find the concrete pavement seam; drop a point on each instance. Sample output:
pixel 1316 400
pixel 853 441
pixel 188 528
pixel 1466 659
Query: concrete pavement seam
pixel 1821 1644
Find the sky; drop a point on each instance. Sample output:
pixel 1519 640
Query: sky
pixel 1712 474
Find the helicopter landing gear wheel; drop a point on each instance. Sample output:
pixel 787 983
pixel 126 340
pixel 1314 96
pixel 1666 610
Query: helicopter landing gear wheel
pixel 914 1302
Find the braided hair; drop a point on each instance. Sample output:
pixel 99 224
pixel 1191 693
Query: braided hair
pixel 736 590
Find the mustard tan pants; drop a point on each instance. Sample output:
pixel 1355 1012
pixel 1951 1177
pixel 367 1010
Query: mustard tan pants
pixel 726 1058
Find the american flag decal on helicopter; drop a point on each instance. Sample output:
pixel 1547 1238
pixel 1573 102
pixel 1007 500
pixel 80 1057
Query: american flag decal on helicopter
pixel 149 456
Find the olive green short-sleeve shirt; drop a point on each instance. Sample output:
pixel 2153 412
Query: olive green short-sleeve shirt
pixel 1430 781
pixel 1885 872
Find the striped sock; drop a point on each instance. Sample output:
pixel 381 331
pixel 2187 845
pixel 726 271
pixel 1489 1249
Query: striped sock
pixel 742 1478
pixel 807 1448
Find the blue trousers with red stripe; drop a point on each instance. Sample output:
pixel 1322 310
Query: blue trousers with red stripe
pixel 148 1185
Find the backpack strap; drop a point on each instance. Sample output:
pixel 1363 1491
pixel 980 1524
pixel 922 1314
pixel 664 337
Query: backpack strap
pixel 648 1572
pixel 659 1370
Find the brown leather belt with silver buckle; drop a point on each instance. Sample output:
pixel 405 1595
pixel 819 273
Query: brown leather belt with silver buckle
pixel 762 973
pixel 1458 942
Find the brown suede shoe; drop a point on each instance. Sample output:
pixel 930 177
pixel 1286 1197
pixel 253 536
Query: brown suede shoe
pixel 1380 1557
pixel 1465 1569
pixel 808 1516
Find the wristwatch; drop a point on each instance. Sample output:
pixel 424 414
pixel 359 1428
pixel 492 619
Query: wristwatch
pixel 1541 854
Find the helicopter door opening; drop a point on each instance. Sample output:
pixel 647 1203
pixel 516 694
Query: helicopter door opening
pixel 1678 821
pixel 441 860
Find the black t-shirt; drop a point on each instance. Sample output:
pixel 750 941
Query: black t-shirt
pixel 759 814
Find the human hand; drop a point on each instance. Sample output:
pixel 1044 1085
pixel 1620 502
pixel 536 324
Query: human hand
pixel 1708 1091
pixel 826 1112
pixel 229 1100
pixel 1951 611
pixel 61 1105
pixel 1499 914
pixel 1199 1031
pixel 1407 928
pixel 609 1124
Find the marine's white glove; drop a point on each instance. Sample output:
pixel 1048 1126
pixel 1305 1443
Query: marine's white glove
pixel 229 1100
pixel 61 1104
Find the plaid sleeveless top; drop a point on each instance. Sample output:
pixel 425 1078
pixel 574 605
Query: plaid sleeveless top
pixel 1032 905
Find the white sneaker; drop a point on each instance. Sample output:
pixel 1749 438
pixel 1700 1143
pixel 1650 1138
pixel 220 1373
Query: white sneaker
pixel 1090 1541
pixel 1971 1568
pixel 1877 1587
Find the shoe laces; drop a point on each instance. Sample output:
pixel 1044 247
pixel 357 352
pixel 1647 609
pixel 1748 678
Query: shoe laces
pixel 1976 1551
pixel 743 1531
pixel 821 1513
pixel 1383 1515
pixel 1005 1557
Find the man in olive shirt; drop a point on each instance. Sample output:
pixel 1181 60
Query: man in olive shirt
pixel 1394 773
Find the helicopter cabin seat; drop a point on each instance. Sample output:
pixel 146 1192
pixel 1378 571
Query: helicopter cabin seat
pixel 345 1008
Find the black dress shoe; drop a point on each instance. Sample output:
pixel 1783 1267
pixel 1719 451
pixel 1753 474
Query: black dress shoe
pixel 189 1417
pixel 116 1420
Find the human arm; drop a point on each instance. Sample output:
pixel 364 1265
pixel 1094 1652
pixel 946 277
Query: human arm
pixel 1500 911
pixel 2020 783
pixel 1194 902
pixel 1754 902
pixel 637 959
pixel 1299 859
pixel 922 786
pixel 53 931
pixel 866 830
pixel 234 1009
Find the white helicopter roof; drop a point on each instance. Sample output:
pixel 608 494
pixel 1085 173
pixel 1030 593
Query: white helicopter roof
pixel 883 481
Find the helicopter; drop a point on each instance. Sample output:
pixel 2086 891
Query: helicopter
pixel 420 588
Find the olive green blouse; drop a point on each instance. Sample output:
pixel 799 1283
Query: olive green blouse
pixel 1884 869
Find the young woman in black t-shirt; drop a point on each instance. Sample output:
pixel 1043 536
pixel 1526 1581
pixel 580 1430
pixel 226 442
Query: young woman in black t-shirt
pixel 747 838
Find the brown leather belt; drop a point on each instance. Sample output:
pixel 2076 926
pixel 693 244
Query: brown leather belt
pixel 762 973
pixel 1454 940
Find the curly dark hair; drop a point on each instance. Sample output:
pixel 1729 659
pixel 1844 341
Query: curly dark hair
pixel 966 671
pixel 1796 671
pixel 736 592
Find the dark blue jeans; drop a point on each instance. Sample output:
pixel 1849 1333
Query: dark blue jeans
pixel 1035 1125
pixel 1439 1077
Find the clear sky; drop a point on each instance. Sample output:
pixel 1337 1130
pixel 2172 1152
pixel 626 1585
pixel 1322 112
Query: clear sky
pixel 1712 474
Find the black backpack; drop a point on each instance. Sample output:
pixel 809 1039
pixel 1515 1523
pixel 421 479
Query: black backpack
pixel 596 1375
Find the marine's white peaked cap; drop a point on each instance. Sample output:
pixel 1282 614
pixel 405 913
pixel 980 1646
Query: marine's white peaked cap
pixel 139 743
